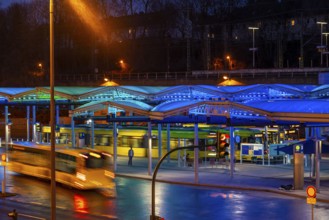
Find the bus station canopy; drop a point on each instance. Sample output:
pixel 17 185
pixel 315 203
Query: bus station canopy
pixel 259 104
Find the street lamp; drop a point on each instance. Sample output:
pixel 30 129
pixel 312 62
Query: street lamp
pixel 326 52
pixel 321 47
pixel 253 49
pixel 52 110
pixel 229 61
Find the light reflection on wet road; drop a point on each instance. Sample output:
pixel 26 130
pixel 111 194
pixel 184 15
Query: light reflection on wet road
pixel 172 201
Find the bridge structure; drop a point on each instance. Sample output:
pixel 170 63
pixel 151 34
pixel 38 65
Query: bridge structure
pixel 213 77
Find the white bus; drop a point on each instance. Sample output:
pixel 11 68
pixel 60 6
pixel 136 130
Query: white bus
pixel 83 169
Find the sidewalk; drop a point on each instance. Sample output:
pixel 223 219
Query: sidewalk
pixel 255 177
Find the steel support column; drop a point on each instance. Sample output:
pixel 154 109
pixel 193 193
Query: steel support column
pixel 168 141
pixel 196 153
pixel 27 123
pixel 232 150
pixel 149 141
pixel 159 141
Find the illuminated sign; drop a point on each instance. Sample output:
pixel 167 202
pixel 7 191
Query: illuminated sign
pixel 311 191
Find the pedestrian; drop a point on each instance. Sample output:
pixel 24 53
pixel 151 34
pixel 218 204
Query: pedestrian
pixel 184 160
pixel 130 155
pixel 188 160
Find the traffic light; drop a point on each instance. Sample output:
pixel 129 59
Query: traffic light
pixel 38 127
pixel 222 146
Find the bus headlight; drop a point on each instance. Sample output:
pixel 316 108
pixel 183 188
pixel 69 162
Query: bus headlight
pixel 81 176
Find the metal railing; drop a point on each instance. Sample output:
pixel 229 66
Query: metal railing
pixel 160 77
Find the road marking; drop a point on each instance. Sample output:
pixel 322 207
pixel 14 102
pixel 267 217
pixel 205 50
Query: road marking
pixel 31 216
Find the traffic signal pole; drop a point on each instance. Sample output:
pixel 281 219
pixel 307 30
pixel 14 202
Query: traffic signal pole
pixel 153 216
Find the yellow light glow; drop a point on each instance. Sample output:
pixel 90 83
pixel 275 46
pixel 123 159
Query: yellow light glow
pixel 94 155
pixel 88 15
pixel 106 154
pixel 81 176
pixel 109 83
pixel 82 155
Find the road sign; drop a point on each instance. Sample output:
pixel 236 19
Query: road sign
pixel 311 191
pixel 311 200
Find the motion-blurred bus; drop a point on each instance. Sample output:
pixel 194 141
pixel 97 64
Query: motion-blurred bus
pixel 83 169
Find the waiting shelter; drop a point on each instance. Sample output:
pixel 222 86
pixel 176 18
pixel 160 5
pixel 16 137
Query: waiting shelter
pixel 252 105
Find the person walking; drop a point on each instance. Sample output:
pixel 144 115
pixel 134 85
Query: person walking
pixel 130 155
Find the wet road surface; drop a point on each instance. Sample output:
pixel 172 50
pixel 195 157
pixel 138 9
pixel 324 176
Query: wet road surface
pixel 172 202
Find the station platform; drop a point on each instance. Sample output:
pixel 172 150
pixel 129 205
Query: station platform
pixel 256 177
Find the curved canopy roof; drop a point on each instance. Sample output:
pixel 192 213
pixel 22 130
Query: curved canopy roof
pixel 265 103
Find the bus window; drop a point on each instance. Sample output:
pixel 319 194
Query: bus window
pixel 65 163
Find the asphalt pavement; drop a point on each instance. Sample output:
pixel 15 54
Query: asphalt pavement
pixel 246 176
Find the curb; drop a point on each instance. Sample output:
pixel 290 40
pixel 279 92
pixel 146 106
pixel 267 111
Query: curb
pixel 6 194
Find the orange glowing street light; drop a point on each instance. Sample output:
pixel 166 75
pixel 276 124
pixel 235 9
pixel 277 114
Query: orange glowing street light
pixel 229 62
pixel 89 15
pixel 91 18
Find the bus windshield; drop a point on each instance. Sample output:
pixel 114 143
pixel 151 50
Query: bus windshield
pixel 95 161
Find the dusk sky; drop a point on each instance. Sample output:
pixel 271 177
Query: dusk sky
pixel 5 3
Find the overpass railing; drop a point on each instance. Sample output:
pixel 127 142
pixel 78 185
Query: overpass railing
pixel 244 74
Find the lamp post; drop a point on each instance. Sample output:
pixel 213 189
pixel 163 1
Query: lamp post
pixel 229 62
pixel 52 110
pixel 253 49
pixel 229 66
pixel 326 52
pixel 321 23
